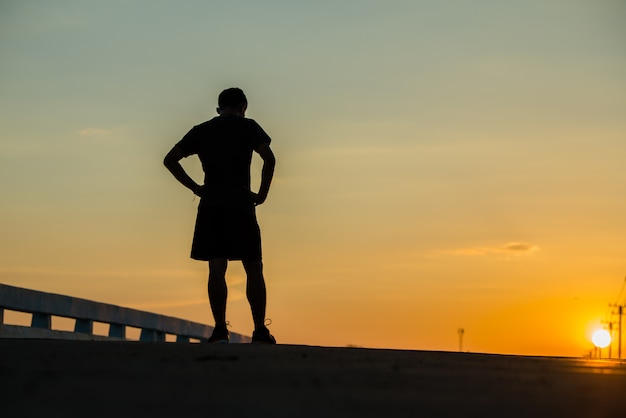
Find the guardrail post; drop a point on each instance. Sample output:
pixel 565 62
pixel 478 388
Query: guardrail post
pixel 182 339
pixel 41 320
pixel 117 330
pixel 84 325
pixel 160 337
pixel 1 315
pixel 147 335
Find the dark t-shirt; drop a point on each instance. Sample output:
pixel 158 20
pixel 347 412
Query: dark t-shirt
pixel 224 145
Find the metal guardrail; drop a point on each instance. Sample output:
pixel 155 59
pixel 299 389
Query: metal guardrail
pixel 43 306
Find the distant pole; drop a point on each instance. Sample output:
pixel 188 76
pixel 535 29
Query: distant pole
pixel 611 334
pixel 620 312
pixel 619 335
pixel 610 324
pixel 461 331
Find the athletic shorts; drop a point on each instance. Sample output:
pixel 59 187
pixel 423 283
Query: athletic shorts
pixel 226 233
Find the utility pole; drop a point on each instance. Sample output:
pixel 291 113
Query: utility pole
pixel 620 313
pixel 461 331
pixel 610 324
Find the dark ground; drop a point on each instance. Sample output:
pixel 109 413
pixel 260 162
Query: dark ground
pixel 52 378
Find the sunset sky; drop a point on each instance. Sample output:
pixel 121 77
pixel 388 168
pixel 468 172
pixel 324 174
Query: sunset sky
pixel 440 164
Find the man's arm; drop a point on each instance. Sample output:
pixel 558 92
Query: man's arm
pixel 267 172
pixel 172 162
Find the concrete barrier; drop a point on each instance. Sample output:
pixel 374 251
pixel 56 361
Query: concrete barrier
pixel 43 306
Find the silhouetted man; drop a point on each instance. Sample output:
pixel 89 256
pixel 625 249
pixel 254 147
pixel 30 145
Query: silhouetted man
pixel 226 226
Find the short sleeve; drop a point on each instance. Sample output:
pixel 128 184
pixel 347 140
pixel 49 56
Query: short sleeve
pixel 258 135
pixel 189 144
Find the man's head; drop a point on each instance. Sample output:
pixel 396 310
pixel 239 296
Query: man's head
pixel 232 101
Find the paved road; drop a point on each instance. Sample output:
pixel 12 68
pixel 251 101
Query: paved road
pixel 50 378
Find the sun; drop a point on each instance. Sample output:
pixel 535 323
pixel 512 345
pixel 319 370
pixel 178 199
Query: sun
pixel 601 338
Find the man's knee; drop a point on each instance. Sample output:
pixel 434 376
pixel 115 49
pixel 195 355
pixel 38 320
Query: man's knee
pixel 217 269
pixel 253 266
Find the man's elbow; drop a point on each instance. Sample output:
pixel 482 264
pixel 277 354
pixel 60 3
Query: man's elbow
pixel 167 161
pixel 270 160
pixel 268 157
pixel 171 159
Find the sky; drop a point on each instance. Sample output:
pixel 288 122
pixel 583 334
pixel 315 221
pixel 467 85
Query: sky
pixel 440 164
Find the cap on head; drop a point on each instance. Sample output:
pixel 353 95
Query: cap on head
pixel 232 98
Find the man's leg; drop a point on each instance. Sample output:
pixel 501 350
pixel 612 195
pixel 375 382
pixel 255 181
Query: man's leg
pixel 218 292
pixel 255 291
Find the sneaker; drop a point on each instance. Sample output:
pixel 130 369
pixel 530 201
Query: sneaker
pixel 219 335
pixel 263 336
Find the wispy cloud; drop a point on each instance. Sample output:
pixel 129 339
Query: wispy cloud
pixel 510 249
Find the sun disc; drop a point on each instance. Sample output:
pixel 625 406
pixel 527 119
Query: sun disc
pixel 601 338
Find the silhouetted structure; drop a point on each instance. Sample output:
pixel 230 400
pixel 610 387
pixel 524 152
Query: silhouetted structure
pixel 43 306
